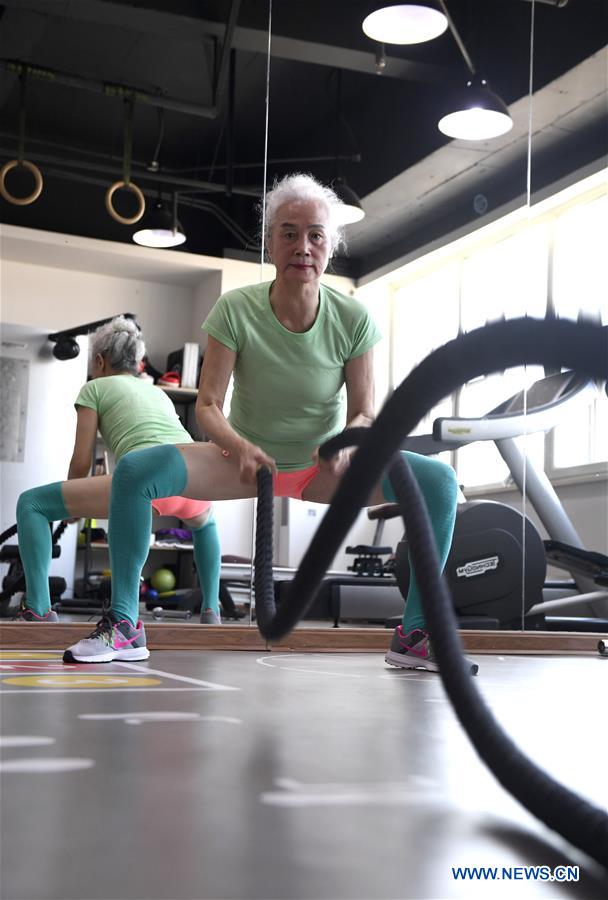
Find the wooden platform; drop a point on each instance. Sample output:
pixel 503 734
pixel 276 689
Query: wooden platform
pixel 18 635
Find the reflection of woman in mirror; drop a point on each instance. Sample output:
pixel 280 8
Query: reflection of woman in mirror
pixel 131 413
pixel 291 345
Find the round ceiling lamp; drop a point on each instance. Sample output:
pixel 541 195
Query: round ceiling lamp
pixel 479 115
pixel 160 229
pixel 350 209
pixel 405 23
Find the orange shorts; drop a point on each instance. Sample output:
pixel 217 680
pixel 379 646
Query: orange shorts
pixel 292 484
pixel 180 507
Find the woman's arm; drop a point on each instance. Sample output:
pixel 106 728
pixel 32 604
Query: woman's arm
pixel 359 379
pixel 218 365
pixel 84 443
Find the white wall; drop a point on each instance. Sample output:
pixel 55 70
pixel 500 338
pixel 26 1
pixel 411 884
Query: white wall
pixel 52 299
pixel 50 427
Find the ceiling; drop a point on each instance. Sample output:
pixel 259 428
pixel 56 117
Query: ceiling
pixel 199 71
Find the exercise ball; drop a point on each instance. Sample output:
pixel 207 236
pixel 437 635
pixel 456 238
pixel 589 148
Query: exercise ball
pixel 163 580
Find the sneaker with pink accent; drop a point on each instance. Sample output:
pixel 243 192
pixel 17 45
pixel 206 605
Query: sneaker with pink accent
pixel 414 651
pixel 210 617
pixel 26 614
pixel 110 640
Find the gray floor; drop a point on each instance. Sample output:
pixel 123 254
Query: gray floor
pixel 238 775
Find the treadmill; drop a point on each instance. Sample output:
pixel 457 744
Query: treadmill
pixel 547 403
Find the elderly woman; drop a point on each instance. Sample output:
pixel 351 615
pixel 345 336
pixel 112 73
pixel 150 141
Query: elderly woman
pixel 292 345
pixel 131 414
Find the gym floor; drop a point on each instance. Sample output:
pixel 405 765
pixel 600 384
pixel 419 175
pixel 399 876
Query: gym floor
pixel 236 775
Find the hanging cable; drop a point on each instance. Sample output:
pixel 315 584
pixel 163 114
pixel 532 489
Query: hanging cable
pixel 252 582
pixel 20 160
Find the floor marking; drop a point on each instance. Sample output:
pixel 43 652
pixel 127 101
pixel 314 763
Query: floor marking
pixel 291 793
pixel 81 678
pixel 262 662
pixel 30 654
pixel 207 685
pixel 50 764
pixel 140 718
pixel 78 680
pixel 24 740
pixel 42 666
pixel 127 690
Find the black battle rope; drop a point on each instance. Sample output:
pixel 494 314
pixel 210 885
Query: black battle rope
pixel 8 533
pixel 582 347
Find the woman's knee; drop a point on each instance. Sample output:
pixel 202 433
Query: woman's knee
pixel 434 475
pixel 128 474
pixel 26 502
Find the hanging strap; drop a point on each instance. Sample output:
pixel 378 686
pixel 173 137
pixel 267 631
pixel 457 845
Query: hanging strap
pixel 127 142
pixel 126 172
pixel 20 159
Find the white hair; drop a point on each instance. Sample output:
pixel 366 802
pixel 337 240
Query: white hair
pixel 304 187
pixel 120 343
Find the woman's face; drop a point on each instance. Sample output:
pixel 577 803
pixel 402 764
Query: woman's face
pixel 300 242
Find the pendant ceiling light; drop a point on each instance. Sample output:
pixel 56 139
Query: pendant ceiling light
pixel 479 114
pixel 405 23
pixel 351 210
pixel 160 228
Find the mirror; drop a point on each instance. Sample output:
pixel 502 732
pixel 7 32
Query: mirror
pixel 456 232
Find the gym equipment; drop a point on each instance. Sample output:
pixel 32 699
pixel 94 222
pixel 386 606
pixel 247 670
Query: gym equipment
pixel 371 594
pixel 160 612
pixel 485 569
pixel 14 580
pixel 188 601
pixel 163 580
pixel 581 346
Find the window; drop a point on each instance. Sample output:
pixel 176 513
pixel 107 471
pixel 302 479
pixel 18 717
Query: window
pixel 580 287
pixel 425 316
pixel 551 259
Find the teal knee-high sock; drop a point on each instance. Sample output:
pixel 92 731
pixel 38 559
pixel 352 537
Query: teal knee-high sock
pixel 140 477
pixel 35 509
pixel 438 484
pixel 208 559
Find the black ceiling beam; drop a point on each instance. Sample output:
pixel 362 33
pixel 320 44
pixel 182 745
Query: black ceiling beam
pixel 107 88
pixel 171 26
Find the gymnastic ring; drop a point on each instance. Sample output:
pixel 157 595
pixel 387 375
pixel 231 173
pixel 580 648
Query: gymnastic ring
pixel 31 167
pixel 130 187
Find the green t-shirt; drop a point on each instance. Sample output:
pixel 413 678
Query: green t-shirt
pixel 288 388
pixel 133 413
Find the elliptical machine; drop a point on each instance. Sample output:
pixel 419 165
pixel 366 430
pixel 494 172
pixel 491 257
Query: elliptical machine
pixel 495 574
